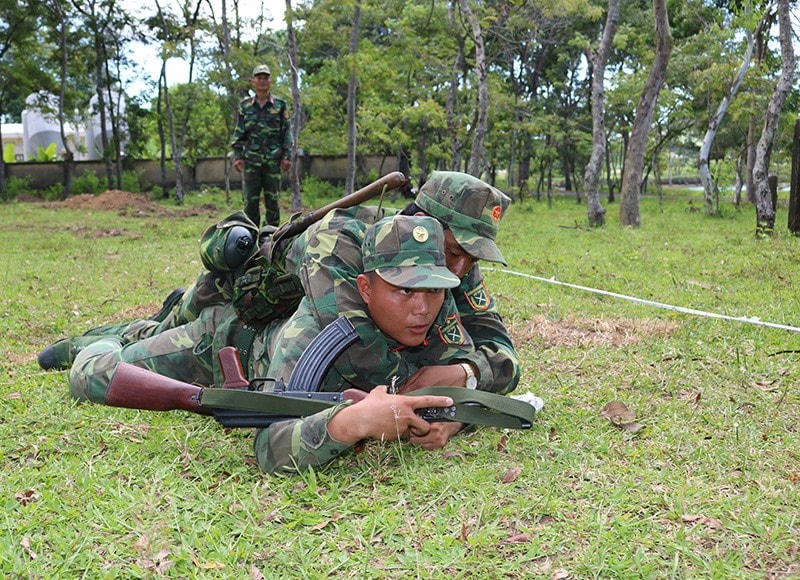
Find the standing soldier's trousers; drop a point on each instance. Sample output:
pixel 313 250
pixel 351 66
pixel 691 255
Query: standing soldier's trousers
pixel 257 178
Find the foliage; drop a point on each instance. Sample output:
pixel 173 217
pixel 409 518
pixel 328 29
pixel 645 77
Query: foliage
pixel 132 181
pixel 415 67
pixel 9 155
pixel 707 489
pixel 16 186
pixel 88 182
pixel 46 155
pixel 315 190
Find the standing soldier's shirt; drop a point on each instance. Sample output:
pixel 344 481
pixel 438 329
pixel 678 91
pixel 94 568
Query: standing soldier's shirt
pixel 262 134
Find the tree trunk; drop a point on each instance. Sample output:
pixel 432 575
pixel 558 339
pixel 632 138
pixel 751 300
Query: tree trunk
pixel 710 192
pixel 478 153
pixel 68 155
pixel 350 179
pixel 595 211
pixel 765 210
pixel 294 172
pixel 452 97
pixel 634 157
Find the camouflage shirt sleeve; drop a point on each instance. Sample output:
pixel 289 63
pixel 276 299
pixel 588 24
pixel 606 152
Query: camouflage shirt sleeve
pixel 239 132
pixel 294 445
pixel 494 354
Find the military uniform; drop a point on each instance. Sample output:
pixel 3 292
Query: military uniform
pixel 262 139
pixel 327 258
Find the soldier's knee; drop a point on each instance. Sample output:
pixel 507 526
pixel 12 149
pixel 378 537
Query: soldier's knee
pixel 92 369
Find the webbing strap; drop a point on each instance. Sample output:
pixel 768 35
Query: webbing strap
pixel 472 407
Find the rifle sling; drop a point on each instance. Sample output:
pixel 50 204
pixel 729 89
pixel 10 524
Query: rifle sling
pixel 471 407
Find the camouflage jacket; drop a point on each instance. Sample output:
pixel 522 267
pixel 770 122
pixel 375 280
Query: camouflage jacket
pixel 262 134
pixel 327 257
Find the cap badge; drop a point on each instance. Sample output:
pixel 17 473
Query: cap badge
pixel 420 234
pixel 497 212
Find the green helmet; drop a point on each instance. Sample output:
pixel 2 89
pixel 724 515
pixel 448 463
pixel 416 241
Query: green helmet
pixel 471 208
pixel 229 243
pixel 408 251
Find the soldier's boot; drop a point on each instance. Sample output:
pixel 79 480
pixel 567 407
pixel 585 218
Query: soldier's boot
pixel 169 302
pixel 61 354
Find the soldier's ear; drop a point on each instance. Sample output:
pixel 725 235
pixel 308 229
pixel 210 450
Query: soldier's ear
pixel 364 287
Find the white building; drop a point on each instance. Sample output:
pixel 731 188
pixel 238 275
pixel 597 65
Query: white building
pixel 40 129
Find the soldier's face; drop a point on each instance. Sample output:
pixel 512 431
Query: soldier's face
pixel 459 262
pixel 262 82
pixel 403 314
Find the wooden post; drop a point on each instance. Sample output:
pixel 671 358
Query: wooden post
pixel 794 191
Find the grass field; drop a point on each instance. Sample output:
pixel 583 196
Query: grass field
pixel 704 482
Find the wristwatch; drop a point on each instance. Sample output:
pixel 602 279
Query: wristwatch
pixel 472 380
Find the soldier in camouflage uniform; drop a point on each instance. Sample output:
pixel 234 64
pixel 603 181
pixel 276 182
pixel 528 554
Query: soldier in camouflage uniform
pixel 405 319
pixel 261 145
pixel 471 211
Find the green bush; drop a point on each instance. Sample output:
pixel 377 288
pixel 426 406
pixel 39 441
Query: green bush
pixel 18 185
pixel 53 193
pixel 88 182
pixel 313 190
pixel 132 181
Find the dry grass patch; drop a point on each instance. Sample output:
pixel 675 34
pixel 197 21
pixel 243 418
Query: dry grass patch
pixel 577 331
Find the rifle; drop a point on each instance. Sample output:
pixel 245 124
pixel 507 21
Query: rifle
pixel 298 223
pixel 237 404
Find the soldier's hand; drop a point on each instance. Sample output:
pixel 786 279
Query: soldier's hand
pixel 238 165
pixel 438 436
pixel 383 416
pixel 435 376
pixel 285 165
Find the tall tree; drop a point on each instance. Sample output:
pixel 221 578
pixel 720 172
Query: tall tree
pixel 598 59
pixel 18 46
pixel 477 153
pixel 710 191
pixel 294 172
pixel 352 132
pixel 634 158
pixel 765 211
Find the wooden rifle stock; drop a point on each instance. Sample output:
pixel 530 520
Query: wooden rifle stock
pixel 301 222
pixel 133 387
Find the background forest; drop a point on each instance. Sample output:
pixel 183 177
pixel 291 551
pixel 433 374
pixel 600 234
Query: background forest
pixel 499 89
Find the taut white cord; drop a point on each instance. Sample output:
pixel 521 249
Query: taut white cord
pixel 745 319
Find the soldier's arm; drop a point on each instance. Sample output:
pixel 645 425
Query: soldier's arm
pixel 239 135
pixel 494 356
pixel 294 445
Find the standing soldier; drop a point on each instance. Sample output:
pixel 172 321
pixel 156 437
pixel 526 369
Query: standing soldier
pixel 261 146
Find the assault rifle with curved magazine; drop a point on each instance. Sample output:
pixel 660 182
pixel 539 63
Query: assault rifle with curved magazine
pixel 238 404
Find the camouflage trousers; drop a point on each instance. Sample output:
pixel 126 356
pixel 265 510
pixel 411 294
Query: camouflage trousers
pixel 183 353
pixel 179 347
pixel 257 178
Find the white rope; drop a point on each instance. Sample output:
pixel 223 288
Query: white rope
pixel 745 319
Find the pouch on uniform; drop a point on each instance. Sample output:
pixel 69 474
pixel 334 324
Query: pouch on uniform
pixel 228 244
pixel 265 291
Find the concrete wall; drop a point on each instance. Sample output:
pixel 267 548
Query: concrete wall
pixel 209 170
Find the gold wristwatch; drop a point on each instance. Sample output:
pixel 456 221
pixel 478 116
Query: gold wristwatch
pixel 472 380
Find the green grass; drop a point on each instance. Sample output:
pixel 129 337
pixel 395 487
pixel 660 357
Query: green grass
pixel 710 487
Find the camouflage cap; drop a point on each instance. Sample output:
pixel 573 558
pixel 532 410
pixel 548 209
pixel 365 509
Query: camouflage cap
pixel 261 69
pixel 471 208
pixel 408 251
